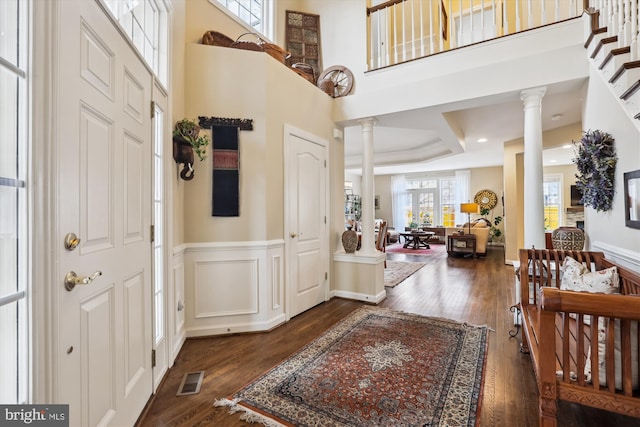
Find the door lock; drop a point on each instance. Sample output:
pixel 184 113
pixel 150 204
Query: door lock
pixel 71 241
pixel 71 279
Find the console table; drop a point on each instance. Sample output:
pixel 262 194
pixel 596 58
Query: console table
pixel 461 244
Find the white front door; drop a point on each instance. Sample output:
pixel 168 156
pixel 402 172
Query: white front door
pixel 307 229
pixel 103 334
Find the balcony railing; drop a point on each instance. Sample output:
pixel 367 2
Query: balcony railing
pixel 403 30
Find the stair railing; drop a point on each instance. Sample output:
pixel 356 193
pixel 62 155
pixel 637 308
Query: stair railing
pixel 620 17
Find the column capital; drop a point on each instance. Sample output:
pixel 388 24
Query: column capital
pixel 532 96
pixel 368 122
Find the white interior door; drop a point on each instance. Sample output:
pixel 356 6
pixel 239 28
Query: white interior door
pixel 103 334
pixel 307 239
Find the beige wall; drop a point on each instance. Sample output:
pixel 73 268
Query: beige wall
pixel 259 88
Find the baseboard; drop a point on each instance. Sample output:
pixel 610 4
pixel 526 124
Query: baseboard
pixel 374 299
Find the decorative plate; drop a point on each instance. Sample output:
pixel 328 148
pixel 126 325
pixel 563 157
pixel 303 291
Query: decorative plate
pixel 487 199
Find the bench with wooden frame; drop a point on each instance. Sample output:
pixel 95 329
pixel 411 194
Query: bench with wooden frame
pixel 551 318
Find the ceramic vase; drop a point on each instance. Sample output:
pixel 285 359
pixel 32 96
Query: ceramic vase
pixel 350 241
pixel 567 239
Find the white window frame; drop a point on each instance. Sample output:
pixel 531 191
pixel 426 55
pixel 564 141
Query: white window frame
pixel 559 179
pixel 267 19
pixel 151 40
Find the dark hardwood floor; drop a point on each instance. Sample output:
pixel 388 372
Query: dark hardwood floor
pixel 477 291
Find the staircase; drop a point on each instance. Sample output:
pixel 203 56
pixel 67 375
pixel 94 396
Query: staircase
pixel 612 46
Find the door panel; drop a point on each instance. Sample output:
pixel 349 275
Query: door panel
pixel 306 223
pixel 98 356
pixel 103 133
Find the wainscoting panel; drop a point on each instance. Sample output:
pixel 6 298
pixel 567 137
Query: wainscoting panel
pixel 226 288
pixel 233 287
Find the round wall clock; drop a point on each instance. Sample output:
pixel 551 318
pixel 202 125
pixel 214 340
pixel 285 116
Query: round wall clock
pixel 486 199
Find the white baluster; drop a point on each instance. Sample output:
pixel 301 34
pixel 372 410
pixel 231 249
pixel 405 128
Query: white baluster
pixel 375 44
pixel 505 20
pixel 422 29
pixel 635 54
pixel 529 14
pixel 461 29
pixel 413 31
pixel 626 29
pixel 494 30
pixel 518 19
pixel 482 28
pixel 404 37
pixel 473 36
pixel 394 18
pixel 543 12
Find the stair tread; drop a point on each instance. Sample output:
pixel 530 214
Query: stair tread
pixel 624 67
pixel 614 52
pixel 632 89
pixel 602 42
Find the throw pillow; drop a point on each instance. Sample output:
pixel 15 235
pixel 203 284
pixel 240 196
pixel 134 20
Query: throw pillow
pixel 577 277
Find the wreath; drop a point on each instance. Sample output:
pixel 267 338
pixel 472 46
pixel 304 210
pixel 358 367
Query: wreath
pixel 596 162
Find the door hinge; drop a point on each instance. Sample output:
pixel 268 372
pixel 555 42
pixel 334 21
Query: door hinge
pixel 153 358
pixel 325 219
pixel 325 163
pixel 152 233
pixel 326 275
pixel 153 109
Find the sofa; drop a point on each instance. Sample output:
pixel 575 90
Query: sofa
pixel 479 228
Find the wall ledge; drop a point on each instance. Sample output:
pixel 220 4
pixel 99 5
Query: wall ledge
pixel 209 246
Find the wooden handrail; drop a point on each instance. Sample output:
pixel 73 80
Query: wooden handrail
pixel 384 5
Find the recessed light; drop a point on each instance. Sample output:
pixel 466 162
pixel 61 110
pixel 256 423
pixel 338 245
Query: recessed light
pixel 556 117
pixel 553 161
pixel 482 139
pixel 567 146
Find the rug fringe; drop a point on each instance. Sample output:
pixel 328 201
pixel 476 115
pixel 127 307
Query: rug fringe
pixel 248 415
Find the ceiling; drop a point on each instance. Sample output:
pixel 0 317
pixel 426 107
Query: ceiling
pixel 446 137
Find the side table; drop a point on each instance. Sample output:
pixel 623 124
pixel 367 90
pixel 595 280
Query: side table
pixel 461 244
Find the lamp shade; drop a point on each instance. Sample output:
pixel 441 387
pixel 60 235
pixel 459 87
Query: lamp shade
pixel 469 208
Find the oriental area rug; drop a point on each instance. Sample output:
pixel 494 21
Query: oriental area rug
pixel 397 271
pixel 376 367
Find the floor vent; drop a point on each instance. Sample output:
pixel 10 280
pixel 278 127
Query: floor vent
pixel 191 383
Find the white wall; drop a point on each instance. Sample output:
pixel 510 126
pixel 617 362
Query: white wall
pixel 606 230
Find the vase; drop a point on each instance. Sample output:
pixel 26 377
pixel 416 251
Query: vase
pixel 349 241
pixel 567 239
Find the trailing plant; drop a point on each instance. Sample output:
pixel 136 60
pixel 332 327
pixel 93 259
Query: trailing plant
pixel 596 162
pixel 191 131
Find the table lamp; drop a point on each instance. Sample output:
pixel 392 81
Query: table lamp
pixel 469 208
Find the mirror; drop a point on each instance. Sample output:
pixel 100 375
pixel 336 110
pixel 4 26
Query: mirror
pixel 632 199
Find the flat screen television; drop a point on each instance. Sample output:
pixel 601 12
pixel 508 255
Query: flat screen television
pixel 576 196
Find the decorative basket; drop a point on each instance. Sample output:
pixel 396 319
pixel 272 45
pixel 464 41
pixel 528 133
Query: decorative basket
pixel 275 51
pixel 247 44
pixel 304 70
pixel 214 38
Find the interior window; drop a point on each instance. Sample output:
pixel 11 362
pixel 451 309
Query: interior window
pixel 255 14
pixel 145 22
pixel 430 202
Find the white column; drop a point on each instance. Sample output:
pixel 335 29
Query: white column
pixel 533 175
pixel 368 212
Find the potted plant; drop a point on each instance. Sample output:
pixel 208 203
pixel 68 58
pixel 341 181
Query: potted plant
pixel 187 138
pixel 190 131
pixel 494 231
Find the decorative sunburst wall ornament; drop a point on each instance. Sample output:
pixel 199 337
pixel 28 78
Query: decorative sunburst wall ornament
pixel 596 162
